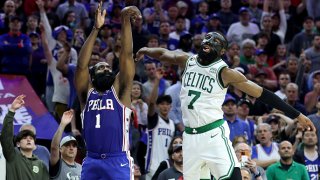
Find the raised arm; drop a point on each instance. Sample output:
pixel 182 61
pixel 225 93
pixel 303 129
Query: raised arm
pixel 6 137
pixel 62 64
pixel 164 55
pixel 154 93
pixel 236 79
pixel 124 79
pixel 45 45
pixel 82 71
pixel 55 143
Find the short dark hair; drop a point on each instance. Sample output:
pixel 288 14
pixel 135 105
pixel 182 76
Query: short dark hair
pixel 23 134
pixel 164 98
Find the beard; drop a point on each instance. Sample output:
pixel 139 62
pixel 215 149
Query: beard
pixel 103 81
pixel 207 57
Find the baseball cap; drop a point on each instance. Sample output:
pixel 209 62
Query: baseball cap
pixel 215 16
pixel 244 101
pixel 23 134
pixel 185 35
pixel 32 34
pixel 315 73
pixel 243 9
pixel 182 4
pixel 261 72
pixel 68 139
pixel 12 18
pixel 272 118
pixel 228 98
pixel 308 18
pixel 177 147
pixel 260 51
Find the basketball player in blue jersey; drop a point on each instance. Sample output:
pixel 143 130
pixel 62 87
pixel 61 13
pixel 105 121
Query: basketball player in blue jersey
pixel 204 85
pixel 104 98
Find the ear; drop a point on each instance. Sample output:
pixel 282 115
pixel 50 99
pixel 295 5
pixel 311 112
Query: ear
pixel 18 144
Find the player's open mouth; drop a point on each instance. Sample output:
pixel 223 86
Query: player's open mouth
pixel 206 48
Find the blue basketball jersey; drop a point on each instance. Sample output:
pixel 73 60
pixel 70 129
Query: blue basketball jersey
pixel 312 168
pixel 105 122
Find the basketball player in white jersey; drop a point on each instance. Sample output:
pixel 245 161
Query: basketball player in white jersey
pixel 204 85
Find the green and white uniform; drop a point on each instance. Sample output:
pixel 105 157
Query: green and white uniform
pixel 206 139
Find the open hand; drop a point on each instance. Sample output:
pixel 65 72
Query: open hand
pixel 67 117
pixel 305 123
pixel 100 16
pixel 17 103
pixel 132 12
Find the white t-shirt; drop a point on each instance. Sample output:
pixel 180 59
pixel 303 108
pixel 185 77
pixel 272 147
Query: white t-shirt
pixel 238 32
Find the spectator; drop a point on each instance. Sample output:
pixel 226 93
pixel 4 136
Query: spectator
pixel 9 9
pixel 255 11
pixel 138 104
pixel 244 29
pixel 136 172
pixel 243 109
pixel 213 24
pixel 175 172
pixel 168 163
pixel 72 5
pixel 113 56
pixel 266 152
pixel 173 13
pixel 78 39
pixel 139 35
pixel 260 66
pixel 197 39
pixel 248 51
pixel 158 122
pixel 302 40
pixel 164 32
pixel 311 98
pixel 150 70
pixel 243 149
pixel 312 6
pixel 309 155
pixel 69 20
pixel 38 65
pixel 200 19
pixel 278 61
pixel 292 97
pixel 313 53
pixel 183 8
pixel 15 48
pixel 283 81
pixel 226 15
pixel 245 173
pixel 286 168
pixel 180 27
pixel 237 126
pixel 40 151
pixel 21 163
pixel 315 118
pixel 32 24
pixel 233 58
pixel 64 166
pixel 154 15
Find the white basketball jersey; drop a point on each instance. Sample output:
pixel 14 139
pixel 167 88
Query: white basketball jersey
pixel 263 156
pixel 202 93
pixel 159 139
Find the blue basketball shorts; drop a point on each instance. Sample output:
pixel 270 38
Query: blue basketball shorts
pixel 117 166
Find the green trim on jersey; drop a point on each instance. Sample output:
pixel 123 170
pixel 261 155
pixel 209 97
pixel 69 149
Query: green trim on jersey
pixel 213 63
pixel 219 77
pixel 186 67
pixel 230 171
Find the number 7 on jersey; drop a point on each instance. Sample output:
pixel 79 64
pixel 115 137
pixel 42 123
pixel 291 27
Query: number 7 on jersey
pixel 194 99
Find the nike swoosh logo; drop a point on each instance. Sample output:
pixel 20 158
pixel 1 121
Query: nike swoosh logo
pixel 123 164
pixel 212 136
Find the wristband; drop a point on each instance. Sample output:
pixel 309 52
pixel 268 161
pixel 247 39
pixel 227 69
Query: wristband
pixel 273 100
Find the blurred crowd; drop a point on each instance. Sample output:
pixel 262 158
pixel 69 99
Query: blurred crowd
pixel 275 43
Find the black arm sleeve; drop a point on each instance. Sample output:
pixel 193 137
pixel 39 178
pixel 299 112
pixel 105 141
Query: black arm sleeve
pixel 274 101
pixel 55 169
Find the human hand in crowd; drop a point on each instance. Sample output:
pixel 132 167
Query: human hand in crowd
pixel 159 73
pixel 305 123
pixel 138 102
pixel 299 136
pixel 41 27
pixel 252 165
pixel 236 61
pixel 17 103
pixel 40 5
pixel 76 132
pixel 67 117
pixel 316 88
pixel 133 12
pixel 100 16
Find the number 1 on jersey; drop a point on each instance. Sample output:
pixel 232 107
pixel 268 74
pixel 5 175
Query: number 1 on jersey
pixel 193 100
pixel 97 121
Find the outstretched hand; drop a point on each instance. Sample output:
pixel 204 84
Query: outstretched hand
pixel 159 73
pixel 67 117
pixel 17 103
pixel 140 54
pixel 132 12
pixel 305 123
pixel 100 16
